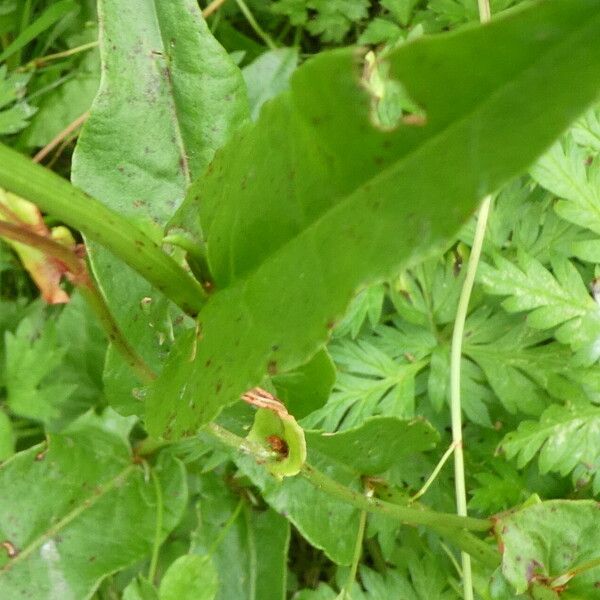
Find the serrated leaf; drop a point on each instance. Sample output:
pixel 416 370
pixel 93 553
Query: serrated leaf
pixel 536 551
pixel 14 111
pixel 586 132
pixel 565 172
pixel 152 127
pixel 565 437
pixel 98 513
pixel 47 376
pixel 334 18
pixel 256 542
pixel 369 382
pixel 558 299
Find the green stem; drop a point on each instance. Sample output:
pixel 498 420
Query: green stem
pixel 455 400
pixel 260 32
pixel 88 289
pixel 405 514
pixel 159 527
pixel 225 528
pixel 434 475
pixel 55 195
pixel 356 558
pixel 97 303
pixel 38 62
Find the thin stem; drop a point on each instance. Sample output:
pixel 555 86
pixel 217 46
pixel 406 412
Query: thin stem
pixel 260 32
pixel 159 527
pixel 455 360
pixel 70 128
pixel 90 292
pixel 225 528
pixel 356 558
pixel 42 60
pixel 214 6
pixel 485 12
pixel 455 400
pixel 56 196
pixel 435 473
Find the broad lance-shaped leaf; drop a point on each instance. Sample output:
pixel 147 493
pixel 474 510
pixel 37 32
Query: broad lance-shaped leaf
pixel 79 509
pixel 169 97
pixel 367 450
pixel 553 545
pixel 314 200
pixel 255 542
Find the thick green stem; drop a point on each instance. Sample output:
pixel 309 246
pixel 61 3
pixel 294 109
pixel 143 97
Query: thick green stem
pixel 346 594
pixel 58 197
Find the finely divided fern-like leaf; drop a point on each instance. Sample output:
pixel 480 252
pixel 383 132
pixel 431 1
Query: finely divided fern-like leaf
pixel 568 171
pixel 566 437
pixel 558 299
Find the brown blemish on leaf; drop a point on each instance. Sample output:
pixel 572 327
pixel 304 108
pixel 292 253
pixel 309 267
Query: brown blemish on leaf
pixel 272 367
pixel 10 548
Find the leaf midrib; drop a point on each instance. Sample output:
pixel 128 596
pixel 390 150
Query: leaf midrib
pixel 87 503
pixel 415 152
pixel 181 145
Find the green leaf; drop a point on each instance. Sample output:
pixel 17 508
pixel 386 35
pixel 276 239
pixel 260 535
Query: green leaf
pixel 566 437
pixel 586 132
pixel 98 513
pixel 559 299
pixel 345 456
pixel 308 387
pixel 14 111
pixel 366 305
pixel 362 201
pixel 140 589
pixel 334 18
pixel 64 104
pixel 268 76
pixel 190 577
pixel 400 9
pixel 564 171
pixel 531 364
pixel 47 375
pixel 380 31
pixel 235 534
pixel 369 382
pixel 152 127
pixel 7 437
pixel 536 551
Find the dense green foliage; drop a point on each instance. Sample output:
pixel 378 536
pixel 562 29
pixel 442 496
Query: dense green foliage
pixel 285 194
